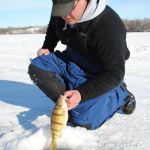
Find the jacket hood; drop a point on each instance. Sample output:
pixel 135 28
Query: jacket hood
pixel 93 9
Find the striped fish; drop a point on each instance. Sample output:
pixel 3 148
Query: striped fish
pixel 58 121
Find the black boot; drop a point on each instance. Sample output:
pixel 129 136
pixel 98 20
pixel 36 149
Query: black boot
pixel 47 82
pixel 130 106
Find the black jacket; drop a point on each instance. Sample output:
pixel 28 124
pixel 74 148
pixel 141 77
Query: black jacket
pixel 102 40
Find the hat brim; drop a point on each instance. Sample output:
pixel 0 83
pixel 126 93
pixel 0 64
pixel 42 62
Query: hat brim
pixel 62 9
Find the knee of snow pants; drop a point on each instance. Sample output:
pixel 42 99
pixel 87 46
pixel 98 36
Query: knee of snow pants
pixel 47 82
pixel 93 113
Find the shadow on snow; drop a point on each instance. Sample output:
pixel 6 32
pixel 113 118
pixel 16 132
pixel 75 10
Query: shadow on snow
pixel 28 96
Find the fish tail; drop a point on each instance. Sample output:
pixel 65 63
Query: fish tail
pixel 53 146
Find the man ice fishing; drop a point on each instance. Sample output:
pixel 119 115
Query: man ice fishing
pixel 90 71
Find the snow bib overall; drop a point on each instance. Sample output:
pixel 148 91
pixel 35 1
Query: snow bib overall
pixel 70 68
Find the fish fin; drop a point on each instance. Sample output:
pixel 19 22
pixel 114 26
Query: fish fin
pixel 53 146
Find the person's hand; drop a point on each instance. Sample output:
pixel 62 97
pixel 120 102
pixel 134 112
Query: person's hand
pixel 42 52
pixel 73 98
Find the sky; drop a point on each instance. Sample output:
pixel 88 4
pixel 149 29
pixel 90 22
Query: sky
pixel 36 12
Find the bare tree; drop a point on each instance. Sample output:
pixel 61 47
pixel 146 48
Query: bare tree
pixel 137 25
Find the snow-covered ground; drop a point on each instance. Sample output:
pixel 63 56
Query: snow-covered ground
pixel 25 110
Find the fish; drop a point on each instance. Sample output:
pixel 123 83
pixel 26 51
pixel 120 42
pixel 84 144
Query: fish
pixel 58 121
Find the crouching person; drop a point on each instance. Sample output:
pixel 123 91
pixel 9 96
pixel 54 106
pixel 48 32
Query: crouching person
pixel 90 72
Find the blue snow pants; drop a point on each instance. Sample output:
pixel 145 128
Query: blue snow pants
pixel 93 112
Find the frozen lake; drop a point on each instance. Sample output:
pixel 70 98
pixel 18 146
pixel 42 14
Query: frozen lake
pixel 25 111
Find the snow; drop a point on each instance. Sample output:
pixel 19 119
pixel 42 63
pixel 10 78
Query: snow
pixel 25 110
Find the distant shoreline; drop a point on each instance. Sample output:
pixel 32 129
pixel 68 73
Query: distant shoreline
pixel 23 30
pixel 137 25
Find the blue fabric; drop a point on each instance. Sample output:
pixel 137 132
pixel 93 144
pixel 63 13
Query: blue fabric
pixel 66 66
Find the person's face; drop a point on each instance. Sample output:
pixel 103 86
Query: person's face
pixel 75 15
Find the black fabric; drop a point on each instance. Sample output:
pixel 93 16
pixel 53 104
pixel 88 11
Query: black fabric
pixel 88 126
pixel 101 40
pixel 130 105
pixel 61 1
pixel 47 82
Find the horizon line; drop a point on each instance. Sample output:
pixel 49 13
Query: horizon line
pixel 21 26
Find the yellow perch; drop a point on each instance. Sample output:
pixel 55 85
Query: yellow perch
pixel 58 121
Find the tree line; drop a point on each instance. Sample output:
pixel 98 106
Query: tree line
pixel 24 30
pixel 136 25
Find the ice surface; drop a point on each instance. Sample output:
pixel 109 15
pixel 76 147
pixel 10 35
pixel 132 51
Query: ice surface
pixel 25 110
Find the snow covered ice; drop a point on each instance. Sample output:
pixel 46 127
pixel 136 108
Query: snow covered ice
pixel 25 110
